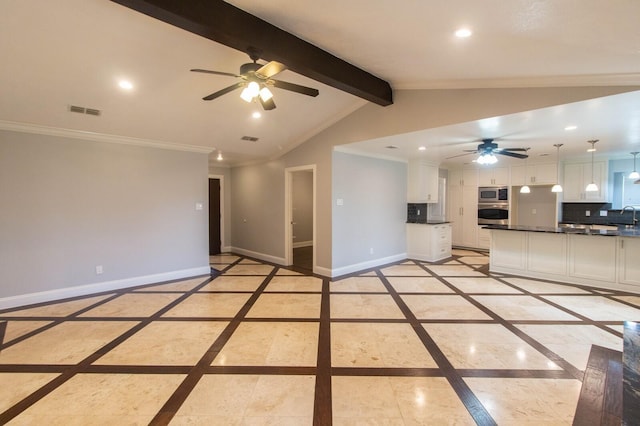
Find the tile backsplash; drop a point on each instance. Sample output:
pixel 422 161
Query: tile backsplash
pixel 417 213
pixel 589 213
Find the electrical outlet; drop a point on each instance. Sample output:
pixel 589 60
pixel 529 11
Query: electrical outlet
pixel 534 211
pixel 603 213
pixel 587 213
pixel 99 269
pixel 371 250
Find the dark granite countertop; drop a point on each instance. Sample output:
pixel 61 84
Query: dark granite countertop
pixel 621 231
pixel 431 222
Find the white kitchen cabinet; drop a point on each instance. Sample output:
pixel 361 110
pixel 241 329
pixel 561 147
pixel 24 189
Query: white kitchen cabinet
pixel 463 215
pixel 463 177
pixel 484 237
pixel 422 184
pixel 547 253
pixel 576 178
pixel 535 174
pixel 508 250
pixel 492 176
pixel 628 267
pixel 428 242
pixel 592 257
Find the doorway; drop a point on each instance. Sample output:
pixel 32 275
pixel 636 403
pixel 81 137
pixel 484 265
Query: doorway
pixel 300 194
pixel 214 217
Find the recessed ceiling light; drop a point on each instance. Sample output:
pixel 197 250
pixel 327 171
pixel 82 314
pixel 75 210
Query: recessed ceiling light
pixel 125 84
pixel 256 114
pixel 571 128
pixel 422 148
pixel 463 33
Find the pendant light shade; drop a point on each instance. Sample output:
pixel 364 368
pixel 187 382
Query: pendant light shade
pixel 525 189
pixel 557 187
pixel 592 187
pixel 634 174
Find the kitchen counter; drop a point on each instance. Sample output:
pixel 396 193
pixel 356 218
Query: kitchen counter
pixel 620 232
pixel 568 255
pixel 430 222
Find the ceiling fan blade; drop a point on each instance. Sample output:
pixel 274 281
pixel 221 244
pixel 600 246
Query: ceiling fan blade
pixel 513 149
pixel 295 88
pixel 461 155
pixel 268 104
pixel 223 91
pixel 270 69
pixel 215 72
pixel 511 154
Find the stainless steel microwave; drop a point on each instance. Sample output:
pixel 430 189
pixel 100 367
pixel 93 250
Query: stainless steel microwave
pixel 493 194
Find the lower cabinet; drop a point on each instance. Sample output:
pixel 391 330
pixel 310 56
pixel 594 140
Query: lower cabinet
pixel 600 261
pixel 428 242
pixel 628 265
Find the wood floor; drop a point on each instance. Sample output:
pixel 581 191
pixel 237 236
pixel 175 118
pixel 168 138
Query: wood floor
pixel 256 344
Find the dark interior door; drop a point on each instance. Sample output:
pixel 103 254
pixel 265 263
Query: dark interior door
pixel 214 216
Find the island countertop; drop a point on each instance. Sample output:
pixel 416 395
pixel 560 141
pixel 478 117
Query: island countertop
pixel 620 232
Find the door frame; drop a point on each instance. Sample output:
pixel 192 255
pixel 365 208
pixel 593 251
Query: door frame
pixel 288 212
pixel 223 246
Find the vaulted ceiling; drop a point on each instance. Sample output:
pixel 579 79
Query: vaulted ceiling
pixel 74 52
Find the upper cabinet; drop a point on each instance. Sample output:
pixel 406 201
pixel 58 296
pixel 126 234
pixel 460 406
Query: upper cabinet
pixel 422 185
pixel 493 176
pixel 576 178
pixel 463 177
pixel 534 174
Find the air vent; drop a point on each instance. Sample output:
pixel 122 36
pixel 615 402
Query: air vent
pixel 249 138
pixel 391 147
pixel 83 110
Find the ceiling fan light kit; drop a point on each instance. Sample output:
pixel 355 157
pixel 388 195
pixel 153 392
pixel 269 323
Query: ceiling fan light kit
pixel 592 187
pixel 487 158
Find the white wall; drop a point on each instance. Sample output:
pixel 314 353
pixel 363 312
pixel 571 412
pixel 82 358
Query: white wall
pixel 69 205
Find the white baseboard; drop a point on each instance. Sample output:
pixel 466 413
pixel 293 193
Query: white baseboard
pixel 303 244
pixel 83 290
pixel 366 265
pixel 261 256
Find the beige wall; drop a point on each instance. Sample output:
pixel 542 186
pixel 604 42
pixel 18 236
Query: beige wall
pixel 69 205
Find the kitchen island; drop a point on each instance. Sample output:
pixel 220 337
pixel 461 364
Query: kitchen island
pixel 598 258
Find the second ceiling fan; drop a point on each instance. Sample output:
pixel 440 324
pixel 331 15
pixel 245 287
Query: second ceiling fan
pixel 256 79
pixel 488 148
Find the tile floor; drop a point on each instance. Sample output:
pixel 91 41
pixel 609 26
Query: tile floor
pixel 411 343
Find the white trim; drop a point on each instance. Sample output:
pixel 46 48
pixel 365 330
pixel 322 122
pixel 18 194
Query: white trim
pixel 366 265
pixel 98 137
pixel 87 289
pixel 261 256
pixel 303 244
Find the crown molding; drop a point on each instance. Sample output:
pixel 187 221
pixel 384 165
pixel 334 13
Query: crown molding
pixel 97 137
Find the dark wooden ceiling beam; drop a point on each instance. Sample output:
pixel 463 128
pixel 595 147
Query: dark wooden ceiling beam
pixel 235 28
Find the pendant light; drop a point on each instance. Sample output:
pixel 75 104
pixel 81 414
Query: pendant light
pixel 525 189
pixel 592 187
pixel 557 187
pixel 634 174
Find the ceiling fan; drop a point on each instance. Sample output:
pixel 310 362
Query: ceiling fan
pixel 256 80
pixel 488 148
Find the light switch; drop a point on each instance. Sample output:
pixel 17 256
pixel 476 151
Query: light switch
pixel 199 206
pixel 339 202
pixel 603 212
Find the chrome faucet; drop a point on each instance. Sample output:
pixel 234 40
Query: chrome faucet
pixel 634 213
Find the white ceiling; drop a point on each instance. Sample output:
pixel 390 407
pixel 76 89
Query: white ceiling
pixel 73 52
